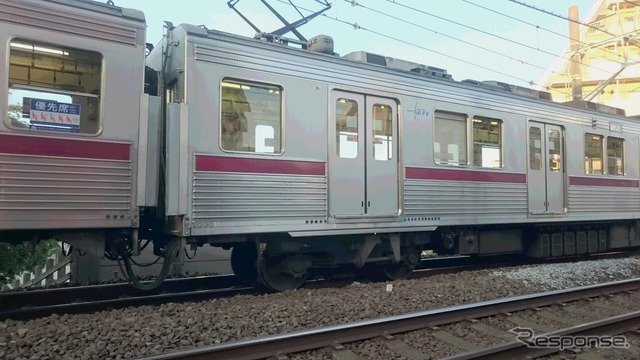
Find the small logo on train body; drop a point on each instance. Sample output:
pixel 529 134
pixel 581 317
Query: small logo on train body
pixel 527 336
pixel 418 112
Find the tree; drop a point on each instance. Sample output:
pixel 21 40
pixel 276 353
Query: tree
pixel 16 259
pixel 15 113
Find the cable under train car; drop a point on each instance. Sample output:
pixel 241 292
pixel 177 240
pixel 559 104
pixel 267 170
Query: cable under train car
pixel 297 159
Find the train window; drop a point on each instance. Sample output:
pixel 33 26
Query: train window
pixel 593 154
pixel 487 142
pixel 615 156
pixel 553 145
pixel 382 132
pixel 54 88
pixel 535 148
pixel 250 117
pixel 347 128
pixel 450 146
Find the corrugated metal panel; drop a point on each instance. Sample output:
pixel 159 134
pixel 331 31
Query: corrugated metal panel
pixel 41 188
pixel 228 198
pixel 429 198
pixel 601 198
pixel 70 20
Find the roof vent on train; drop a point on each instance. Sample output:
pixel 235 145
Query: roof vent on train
pixel 398 64
pixel 321 44
pixel 597 107
pixel 518 90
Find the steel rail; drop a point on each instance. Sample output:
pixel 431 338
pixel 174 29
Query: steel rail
pixel 516 350
pixel 31 303
pixel 28 313
pixel 42 302
pixel 275 345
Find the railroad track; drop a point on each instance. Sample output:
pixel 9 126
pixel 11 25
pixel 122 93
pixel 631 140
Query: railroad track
pixel 30 304
pixel 558 313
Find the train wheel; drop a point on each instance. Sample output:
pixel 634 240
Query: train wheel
pixel 283 272
pixel 399 271
pixel 243 262
pixel 403 269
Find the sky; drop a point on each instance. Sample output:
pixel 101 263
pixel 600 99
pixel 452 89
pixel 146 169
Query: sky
pixel 467 40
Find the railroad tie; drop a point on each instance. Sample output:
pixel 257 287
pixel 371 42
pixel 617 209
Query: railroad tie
pixel 614 308
pixel 528 324
pixel 401 348
pixel 588 356
pixel 489 330
pixel 338 352
pixel 558 319
pixel 586 313
pixel 455 341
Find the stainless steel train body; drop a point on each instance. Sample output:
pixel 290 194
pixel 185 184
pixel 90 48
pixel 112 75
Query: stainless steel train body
pixel 295 159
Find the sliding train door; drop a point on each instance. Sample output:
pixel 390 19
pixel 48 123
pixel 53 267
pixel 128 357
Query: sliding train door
pixel 363 156
pixel 546 179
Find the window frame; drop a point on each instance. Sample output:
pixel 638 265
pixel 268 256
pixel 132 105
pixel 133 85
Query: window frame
pixel 602 153
pixel 622 157
pixel 278 132
pixel 83 99
pixel 339 129
pixel 500 145
pixel 451 115
pixel 387 128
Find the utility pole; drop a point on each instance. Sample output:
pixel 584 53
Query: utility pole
pixel 575 69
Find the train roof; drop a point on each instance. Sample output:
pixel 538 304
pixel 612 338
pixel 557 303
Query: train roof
pixel 107 8
pixel 420 70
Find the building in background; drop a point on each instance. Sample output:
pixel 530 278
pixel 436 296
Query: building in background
pixel 604 61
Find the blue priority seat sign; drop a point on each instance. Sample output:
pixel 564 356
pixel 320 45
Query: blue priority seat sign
pixel 53 115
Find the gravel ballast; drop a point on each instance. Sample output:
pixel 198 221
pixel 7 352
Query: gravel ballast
pixel 148 330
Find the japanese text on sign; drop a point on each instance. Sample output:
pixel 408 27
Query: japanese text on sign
pixel 48 114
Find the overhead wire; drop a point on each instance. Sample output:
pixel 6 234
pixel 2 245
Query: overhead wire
pixel 560 16
pixel 359 27
pixel 395 2
pixel 449 36
pixel 538 27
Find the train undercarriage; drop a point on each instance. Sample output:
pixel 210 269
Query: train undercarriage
pixel 281 262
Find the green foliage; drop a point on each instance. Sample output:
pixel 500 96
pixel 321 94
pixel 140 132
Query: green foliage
pixel 14 113
pixel 16 259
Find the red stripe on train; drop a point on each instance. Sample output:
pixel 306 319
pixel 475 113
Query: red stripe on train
pixel 598 181
pixel 263 166
pixel 464 175
pixel 71 148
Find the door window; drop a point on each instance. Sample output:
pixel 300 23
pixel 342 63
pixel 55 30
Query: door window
pixel 382 139
pixel 535 148
pixel 347 128
pixel 555 157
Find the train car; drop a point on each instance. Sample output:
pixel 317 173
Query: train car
pixel 296 158
pixel 74 147
pixel 323 160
